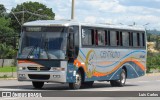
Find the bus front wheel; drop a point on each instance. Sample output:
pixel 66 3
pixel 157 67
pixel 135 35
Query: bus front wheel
pixel 78 82
pixel 37 85
pixel 121 81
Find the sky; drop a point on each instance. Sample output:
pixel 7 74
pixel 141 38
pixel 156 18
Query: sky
pixel 141 12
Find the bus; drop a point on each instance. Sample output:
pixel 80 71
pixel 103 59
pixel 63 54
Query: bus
pixel 67 51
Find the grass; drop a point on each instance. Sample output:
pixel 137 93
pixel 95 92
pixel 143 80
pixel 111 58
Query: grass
pixel 8 69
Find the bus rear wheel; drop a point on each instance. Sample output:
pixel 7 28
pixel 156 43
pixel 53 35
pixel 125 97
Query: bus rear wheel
pixel 121 81
pixel 78 82
pixel 37 85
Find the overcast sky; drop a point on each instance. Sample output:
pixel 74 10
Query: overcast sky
pixel 104 11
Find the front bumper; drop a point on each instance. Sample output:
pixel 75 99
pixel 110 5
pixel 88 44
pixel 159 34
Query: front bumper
pixel 43 76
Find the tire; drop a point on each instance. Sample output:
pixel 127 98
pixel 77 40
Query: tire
pixel 121 81
pixel 88 84
pixel 37 85
pixel 78 82
pixel 113 83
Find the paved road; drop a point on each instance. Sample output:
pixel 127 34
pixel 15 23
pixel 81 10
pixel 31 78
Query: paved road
pixel 145 83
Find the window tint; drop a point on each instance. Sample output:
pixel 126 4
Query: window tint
pixel 107 38
pixel 86 36
pixel 113 38
pixel 119 38
pixel 138 39
pixel 130 38
pixel 125 40
pixel 76 39
pixel 143 39
pixel 134 39
pixel 76 35
pixel 101 37
pixel 93 36
pixel 96 37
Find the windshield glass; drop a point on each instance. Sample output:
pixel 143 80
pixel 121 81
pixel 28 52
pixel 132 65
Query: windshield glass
pixel 46 43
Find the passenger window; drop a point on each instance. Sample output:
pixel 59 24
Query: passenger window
pixel 109 41
pixel 119 38
pixel 125 39
pixel 93 36
pixel 113 38
pixel 138 39
pixel 130 38
pixel 135 39
pixel 101 37
pixel 96 37
pixel 86 36
pixel 143 39
pixel 107 38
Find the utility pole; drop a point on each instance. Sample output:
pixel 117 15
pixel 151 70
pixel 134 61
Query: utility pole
pixel 72 9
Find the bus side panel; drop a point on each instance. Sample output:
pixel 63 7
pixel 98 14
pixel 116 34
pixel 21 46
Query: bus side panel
pixel 107 64
pixel 131 73
pixel 113 76
pixel 133 70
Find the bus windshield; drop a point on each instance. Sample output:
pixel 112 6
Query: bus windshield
pixel 49 43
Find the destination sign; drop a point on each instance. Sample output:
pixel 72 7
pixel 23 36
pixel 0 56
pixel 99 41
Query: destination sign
pixel 33 29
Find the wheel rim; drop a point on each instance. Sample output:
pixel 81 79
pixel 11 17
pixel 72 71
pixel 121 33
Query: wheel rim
pixel 123 78
pixel 78 80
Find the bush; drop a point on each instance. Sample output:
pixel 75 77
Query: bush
pixel 153 61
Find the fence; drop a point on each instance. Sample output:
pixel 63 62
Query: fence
pixel 7 62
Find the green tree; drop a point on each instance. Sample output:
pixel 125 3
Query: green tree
pixel 6 51
pixel 6 38
pixel 5 31
pixel 2 10
pixel 30 11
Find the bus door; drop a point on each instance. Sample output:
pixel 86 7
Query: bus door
pixel 71 48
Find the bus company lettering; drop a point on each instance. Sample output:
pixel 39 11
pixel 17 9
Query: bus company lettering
pixel 110 54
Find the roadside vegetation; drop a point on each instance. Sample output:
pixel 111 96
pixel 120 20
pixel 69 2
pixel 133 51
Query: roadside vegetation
pixel 7 72
pixel 8 69
pixel 153 54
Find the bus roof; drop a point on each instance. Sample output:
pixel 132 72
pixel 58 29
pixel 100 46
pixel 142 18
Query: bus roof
pixel 72 22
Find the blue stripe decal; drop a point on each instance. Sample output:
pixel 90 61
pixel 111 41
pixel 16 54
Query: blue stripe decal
pixel 121 58
pixel 82 53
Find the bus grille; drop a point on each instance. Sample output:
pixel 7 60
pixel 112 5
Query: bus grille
pixel 41 77
pixel 39 69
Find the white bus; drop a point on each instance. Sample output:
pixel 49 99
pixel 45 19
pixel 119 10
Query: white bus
pixel 77 53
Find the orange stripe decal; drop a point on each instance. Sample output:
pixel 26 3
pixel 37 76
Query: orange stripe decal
pixel 97 74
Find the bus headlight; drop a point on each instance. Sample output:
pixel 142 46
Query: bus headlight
pixel 21 76
pixel 22 68
pixel 57 69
